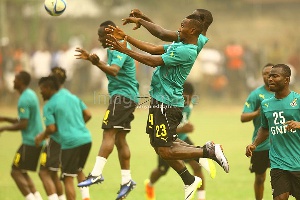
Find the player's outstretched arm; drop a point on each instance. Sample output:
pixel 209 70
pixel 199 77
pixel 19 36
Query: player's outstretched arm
pixel 150 60
pixel 138 14
pixel 112 70
pixel 144 46
pixel 154 29
pixel 16 126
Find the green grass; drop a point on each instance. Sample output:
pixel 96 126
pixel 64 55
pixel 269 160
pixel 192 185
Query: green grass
pixel 215 122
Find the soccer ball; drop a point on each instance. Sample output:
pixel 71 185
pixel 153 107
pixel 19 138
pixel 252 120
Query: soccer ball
pixel 55 7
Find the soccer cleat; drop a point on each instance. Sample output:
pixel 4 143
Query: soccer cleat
pixel 125 189
pixel 90 180
pixel 209 166
pixel 150 193
pixel 215 153
pixel 189 190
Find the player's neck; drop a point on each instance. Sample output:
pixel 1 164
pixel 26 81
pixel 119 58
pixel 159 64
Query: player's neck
pixel 282 94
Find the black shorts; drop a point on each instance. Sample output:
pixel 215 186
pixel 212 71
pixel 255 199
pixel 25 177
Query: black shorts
pixel 119 113
pixel 73 160
pixel 285 181
pixel 50 157
pixel 162 123
pixel 259 162
pixel 27 158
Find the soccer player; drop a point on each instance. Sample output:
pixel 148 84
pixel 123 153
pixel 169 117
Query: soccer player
pixel 29 122
pixel 260 159
pixel 50 157
pixel 66 115
pixel 168 35
pixel 182 130
pixel 173 63
pixel 123 91
pixel 281 123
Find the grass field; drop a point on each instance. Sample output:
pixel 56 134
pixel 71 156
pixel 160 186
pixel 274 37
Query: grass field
pixel 212 121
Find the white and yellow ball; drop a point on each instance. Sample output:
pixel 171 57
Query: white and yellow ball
pixel 55 7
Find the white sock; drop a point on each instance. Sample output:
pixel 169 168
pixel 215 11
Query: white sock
pixel 126 176
pixel 30 196
pixel 85 192
pixel 201 194
pixel 53 197
pixel 62 197
pixel 99 165
pixel 38 196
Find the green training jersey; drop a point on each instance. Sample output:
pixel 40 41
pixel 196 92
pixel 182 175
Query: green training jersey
pixel 29 108
pixel 125 82
pixel 65 111
pixel 167 80
pixel 62 91
pixel 202 40
pixel 185 118
pixel 284 149
pixel 253 103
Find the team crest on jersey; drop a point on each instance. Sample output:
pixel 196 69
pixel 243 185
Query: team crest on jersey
pixel 261 96
pixel 119 57
pixel 247 104
pixel 294 102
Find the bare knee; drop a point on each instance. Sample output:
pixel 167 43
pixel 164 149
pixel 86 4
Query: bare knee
pixel 165 153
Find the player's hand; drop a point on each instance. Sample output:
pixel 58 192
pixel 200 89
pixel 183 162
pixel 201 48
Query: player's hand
pixel 94 59
pixel 116 32
pixel 249 149
pixel 136 13
pixel 83 54
pixel 39 139
pixel 115 44
pixel 292 125
pixel 132 20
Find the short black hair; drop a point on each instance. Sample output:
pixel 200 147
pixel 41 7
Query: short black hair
pixel 208 18
pixel 24 77
pixel 197 21
pixel 285 69
pixel 50 81
pixel 188 88
pixel 60 74
pixel 108 22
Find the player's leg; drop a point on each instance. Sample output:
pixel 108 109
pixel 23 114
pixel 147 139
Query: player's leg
pixel 192 183
pixel 25 159
pixel 58 184
pixel 69 187
pixel 127 184
pixel 258 164
pixel 49 166
pixel 161 170
pixel 198 172
pixel 83 155
pixel 21 181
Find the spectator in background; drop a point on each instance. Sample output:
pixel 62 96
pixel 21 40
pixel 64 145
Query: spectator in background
pixel 40 64
pixel 211 67
pixel 235 68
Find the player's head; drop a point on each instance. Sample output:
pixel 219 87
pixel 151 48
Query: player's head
pixel 208 18
pixel 102 34
pixel 188 92
pixel 49 85
pixel 279 77
pixel 60 74
pixel 192 25
pixel 265 73
pixel 22 80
